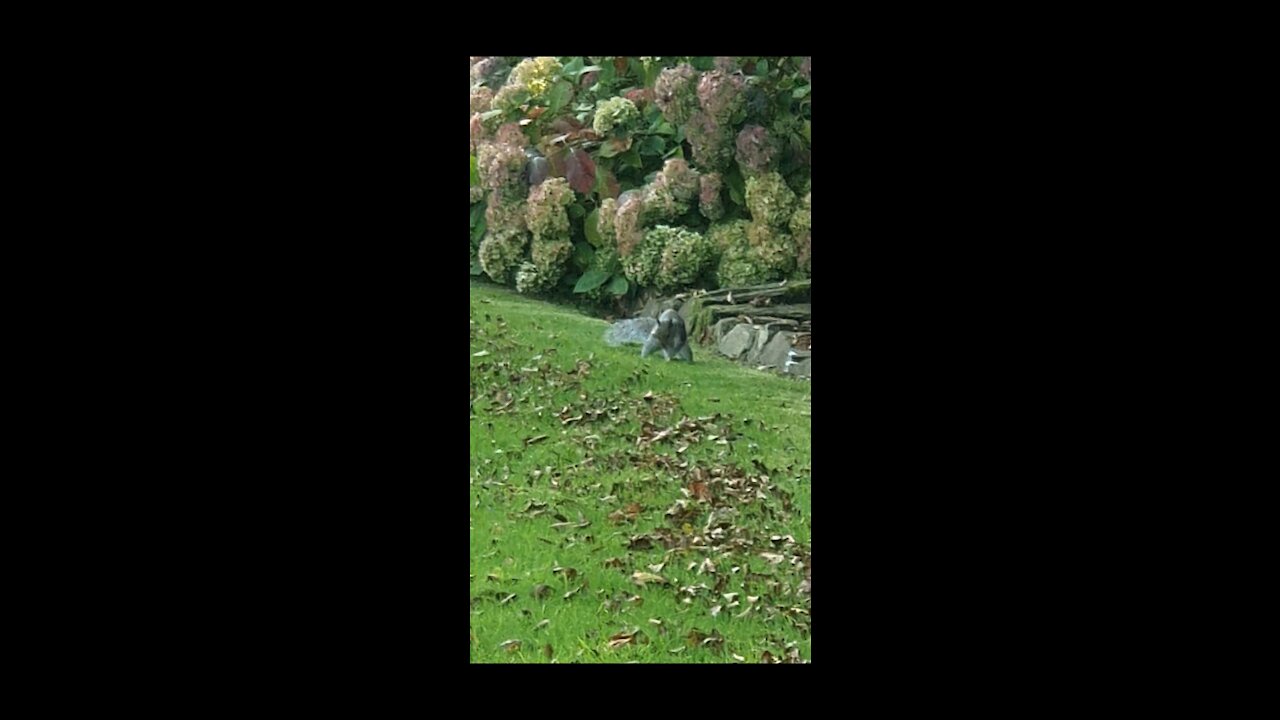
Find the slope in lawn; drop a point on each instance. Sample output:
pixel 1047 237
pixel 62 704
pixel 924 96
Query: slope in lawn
pixel 626 510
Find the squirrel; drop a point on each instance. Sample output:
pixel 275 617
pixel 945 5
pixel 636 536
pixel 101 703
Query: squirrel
pixel 668 333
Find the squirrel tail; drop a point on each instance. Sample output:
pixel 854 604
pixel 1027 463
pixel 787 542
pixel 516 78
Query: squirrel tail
pixel 630 332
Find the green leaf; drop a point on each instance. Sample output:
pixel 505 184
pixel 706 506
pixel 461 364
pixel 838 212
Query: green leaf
pixel 762 68
pixel 590 68
pixel 477 213
pixel 651 71
pixel 632 159
pixel 576 211
pixel 489 115
pixel 477 232
pixel 591 280
pixel 560 95
pixel 591 227
pixel 607 74
pixel 476 269
pixel 651 145
pixel 805 131
pixel 800 92
pixel 618 286
pixel 703 63
pixel 737 188
pixel 573 68
pixel 475 174
pixel 583 255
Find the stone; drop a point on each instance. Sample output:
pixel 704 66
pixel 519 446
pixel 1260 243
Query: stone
pixel 738 342
pixel 778 350
pixel 801 368
pixel 724 326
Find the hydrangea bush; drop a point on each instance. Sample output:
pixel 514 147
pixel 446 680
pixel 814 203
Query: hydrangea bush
pixel 609 176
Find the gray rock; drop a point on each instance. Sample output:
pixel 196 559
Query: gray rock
pixel 724 326
pixel 738 342
pixel 778 350
pixel 801 368
pixel 686 312
pixel 652 309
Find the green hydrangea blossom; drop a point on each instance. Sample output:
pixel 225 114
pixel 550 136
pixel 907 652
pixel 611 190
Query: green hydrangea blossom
pixel 536 74
pixel 615 115
pixel 769 199
pixel 531 280
pixel 684 257
pixel 501 253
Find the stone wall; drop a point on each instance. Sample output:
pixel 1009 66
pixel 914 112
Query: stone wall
pixel 770 345
pixel 764 326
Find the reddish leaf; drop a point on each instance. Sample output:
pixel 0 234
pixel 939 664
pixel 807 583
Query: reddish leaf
pixel 580 171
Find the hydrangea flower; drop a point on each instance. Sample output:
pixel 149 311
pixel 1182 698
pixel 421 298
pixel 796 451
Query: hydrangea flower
pixel 491 71
pixel 627 223
pixel 501 252
pixel 479 133
pixel 721 97
pixel 545 212
pixel 769 199
pixel 481 99
pixel 605 224
pixel 501 166
pixel 802 218
pixel 800 226
pixel 536 74
pixel 709 196
pixel 751 253
pixel 723 236
pixel 737 266
pixel 549 222
pixel 511 134
pixel 505 212
pixel 671 193
pixel 616 114
pixel 676 93
pixel 510 98
pixel 712 143
pixel 531 280
pixel 728 65
pixel 773 250
pixel 641 265
pixel 757 151
pixel 685 255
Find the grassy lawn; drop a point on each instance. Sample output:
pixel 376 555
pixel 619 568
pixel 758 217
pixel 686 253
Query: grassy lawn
pixel 626 510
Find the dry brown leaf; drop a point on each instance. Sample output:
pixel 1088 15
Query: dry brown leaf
pixel 643 579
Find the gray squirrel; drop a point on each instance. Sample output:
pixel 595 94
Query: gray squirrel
pixel 667 333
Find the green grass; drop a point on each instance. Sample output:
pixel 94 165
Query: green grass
pixel 589 465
